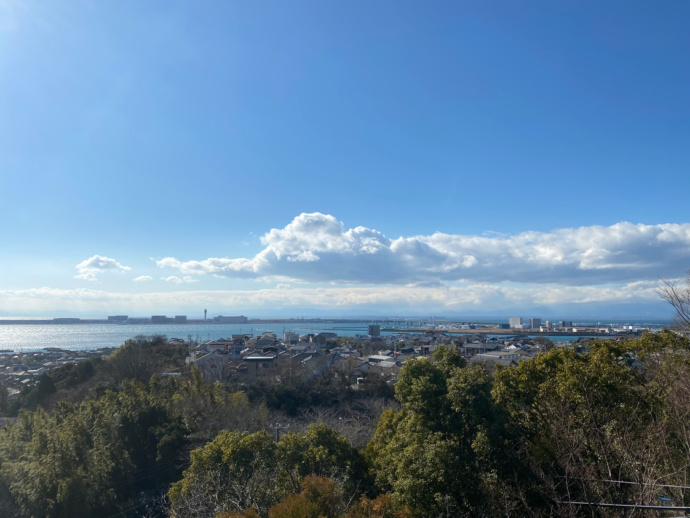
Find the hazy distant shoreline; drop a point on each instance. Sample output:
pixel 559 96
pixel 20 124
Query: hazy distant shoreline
pixel 411 322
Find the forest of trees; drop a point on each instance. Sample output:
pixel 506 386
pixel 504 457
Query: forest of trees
pixel 608 423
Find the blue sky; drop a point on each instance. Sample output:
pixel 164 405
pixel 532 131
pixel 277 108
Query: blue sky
pixel 496 155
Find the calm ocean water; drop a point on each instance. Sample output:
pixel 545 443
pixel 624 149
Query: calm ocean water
pixel 92 336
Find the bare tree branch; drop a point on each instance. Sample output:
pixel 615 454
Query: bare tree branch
pixel 677 293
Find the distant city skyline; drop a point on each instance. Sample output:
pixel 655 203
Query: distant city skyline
pixel 311 159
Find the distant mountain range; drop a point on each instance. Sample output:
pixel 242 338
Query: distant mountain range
pixel 632 311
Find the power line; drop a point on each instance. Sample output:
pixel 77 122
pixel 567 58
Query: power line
pixel 628 506
pixel 630 483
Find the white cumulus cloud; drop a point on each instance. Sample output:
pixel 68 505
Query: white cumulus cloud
pixel 316 247
pixel 91 267
pixel 143 278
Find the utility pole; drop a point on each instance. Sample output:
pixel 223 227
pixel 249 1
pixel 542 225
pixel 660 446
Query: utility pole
pixel 278 427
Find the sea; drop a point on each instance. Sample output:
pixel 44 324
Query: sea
pixel 76 337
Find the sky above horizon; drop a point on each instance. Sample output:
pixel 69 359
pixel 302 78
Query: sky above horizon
pixel 402 157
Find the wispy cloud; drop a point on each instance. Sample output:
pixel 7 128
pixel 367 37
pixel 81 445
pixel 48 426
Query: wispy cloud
pixel 179 280
pixel 91 267
pixel 401 298
pixel 316 247
pixel 143 278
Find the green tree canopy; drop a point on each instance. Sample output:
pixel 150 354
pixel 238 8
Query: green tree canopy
pixel 440 453
pixel 238 470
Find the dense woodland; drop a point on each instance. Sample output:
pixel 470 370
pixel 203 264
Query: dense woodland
pixel 606 423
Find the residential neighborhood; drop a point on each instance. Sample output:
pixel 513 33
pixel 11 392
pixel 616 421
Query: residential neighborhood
pixel 246 359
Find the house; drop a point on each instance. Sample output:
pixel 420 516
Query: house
pixel 271 348
pixel 478 348
pixel 504 355
pixel 423 350
pixel 266 339
pixel 236 349
pixel 213 345
pixel 378 358
pixel 323 338
pixel 385 369
pixel 298 349
pixel 260 365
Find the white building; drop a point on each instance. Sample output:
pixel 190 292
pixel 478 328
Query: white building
pixel 515 322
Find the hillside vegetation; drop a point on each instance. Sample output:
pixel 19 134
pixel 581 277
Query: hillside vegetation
pixel 605 424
